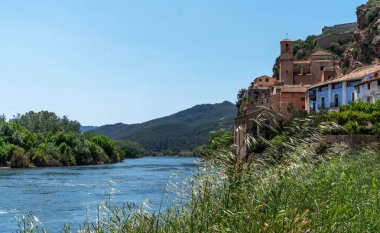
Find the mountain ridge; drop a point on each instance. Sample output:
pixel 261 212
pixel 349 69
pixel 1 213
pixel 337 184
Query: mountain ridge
pixel 184 130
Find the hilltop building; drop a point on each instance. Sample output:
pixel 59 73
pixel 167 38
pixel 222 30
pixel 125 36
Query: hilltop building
pixel 289 91
pixel 296 76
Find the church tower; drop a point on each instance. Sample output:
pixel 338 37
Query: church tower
pixel 286 62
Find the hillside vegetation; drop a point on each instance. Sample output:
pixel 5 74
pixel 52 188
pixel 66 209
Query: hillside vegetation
pixel 183 131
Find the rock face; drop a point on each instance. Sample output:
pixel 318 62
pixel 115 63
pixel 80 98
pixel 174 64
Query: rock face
pixel 365 46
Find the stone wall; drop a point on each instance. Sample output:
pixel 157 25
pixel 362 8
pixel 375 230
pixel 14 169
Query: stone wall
pixel 351 140
pixel 326 41
pixel 339 28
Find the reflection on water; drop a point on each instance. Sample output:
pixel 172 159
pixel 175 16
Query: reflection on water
pixel 62 195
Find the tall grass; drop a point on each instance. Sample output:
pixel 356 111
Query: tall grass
pixel 294 187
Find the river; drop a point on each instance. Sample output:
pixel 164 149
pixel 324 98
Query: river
pixel 63 195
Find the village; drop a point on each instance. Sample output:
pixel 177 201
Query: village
pixel 315 84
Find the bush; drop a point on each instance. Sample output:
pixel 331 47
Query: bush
pixel 376 129
pixel 352 127
pixel 19 159
pixel 259 145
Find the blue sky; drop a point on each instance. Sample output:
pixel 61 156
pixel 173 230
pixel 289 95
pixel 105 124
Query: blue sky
pixel 102 62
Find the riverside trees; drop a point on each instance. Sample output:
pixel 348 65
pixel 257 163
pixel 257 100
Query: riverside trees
pixel 44 139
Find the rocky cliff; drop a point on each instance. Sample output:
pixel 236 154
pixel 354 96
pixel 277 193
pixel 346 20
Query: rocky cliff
pixel 365 46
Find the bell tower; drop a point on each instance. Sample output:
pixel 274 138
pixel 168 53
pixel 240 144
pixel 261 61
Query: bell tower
pixel 286 62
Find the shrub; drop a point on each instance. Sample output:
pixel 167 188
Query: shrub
pixel 352 127
pixel 19 159
pixel 376 129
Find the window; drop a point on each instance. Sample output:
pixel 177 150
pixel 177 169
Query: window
pixel 302 99
pixel 358 88
pixel 267 80
pixel 369 86
pixel 287 71
pixel 287 47
pixel 336 100
pixel 353 96
pixel 322 68
pixel 378 82
pixel 369 99
pixel 260 80
pixel 329 77
pixel 323 102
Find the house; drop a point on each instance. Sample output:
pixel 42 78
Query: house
pixel 368 90
pixel 330 94
pixel 288 96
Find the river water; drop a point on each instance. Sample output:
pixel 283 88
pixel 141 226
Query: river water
pixel 64 195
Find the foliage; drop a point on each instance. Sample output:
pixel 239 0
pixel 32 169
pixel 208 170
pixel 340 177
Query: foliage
pixel 220 140
pixel 62 146
pixel 46 122
pixel 358 117
pixel 352 127
pixel 130 149
pixel 241 98
pixel 376 129
pixel 371 15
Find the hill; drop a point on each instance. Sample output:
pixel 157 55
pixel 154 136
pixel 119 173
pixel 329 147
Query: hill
pixel 84 129
pixel 182 131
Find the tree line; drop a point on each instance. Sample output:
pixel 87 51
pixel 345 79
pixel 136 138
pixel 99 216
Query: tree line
pixel 43 139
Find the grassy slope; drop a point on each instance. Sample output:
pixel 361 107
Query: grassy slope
pixel 339 195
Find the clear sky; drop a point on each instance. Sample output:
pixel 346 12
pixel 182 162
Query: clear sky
pixel 103 62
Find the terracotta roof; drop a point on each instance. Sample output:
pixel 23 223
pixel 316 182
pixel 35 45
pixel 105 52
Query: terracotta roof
pixel 321 53
pixel 294 88
pixel 354 75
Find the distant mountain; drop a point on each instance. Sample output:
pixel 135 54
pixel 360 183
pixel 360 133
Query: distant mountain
pixel 184 130
pixel 87 128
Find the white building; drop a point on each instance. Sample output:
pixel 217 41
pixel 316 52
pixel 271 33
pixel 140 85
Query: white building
pixel 368 90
